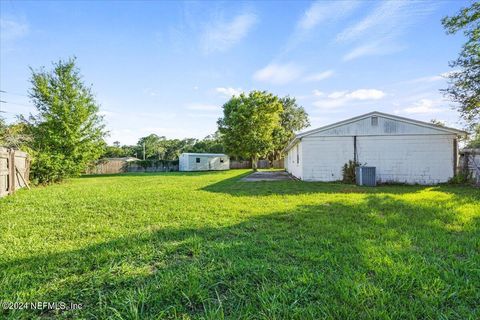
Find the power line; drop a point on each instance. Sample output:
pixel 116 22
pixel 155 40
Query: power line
pixel 18 104
pixel 14 93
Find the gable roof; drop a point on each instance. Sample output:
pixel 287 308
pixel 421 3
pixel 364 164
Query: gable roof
pixel 375 113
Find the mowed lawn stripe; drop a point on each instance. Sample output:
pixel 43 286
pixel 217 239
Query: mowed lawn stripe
pixel 206 245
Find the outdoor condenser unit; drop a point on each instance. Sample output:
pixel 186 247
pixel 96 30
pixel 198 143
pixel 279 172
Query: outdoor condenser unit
pixel 366 176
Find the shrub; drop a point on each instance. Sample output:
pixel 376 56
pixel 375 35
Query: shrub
pixel 461 178
pixel 348 171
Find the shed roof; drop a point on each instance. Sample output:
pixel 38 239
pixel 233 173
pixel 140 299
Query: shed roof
pixel 370 114
pixel 204 154
pixel 127 159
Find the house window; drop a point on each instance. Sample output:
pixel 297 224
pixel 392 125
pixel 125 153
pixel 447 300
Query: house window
pixel 221 160
pixel 197 160
pixel 298 156
pixel 374 121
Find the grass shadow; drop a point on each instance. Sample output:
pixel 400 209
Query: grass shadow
pixel 382 257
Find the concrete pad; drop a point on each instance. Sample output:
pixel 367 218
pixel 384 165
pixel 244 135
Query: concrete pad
pixel 267 176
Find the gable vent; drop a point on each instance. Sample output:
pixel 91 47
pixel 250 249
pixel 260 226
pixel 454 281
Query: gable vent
pixel 374 121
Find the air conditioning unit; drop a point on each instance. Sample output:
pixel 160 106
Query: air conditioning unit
pixel 366 176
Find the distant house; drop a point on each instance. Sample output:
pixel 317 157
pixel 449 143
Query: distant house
pixel 402 150
pixel 203 161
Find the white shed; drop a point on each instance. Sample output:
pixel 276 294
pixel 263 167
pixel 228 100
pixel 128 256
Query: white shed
pixel 203 161
pixel 402 150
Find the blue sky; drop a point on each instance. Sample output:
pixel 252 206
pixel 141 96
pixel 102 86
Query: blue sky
pixel 167 67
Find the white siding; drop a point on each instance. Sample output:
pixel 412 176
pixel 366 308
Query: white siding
pixel 188 162
pixel 385 126
pixel 183 162
pixel 402 150
pixel 294 163
pixel 324 157
pixel 422 159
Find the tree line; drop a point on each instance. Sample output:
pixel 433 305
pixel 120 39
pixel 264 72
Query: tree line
pixel 155 147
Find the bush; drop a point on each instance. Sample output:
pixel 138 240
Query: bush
pixel 461 178
pixel 348 171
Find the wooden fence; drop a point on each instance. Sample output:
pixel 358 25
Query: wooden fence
pixel 122 165
pixel 261 164
pixel 14 171
pixel 469 164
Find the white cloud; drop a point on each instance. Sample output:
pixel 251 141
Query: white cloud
pixel 203 107
pixel 318 93
pixel 278 74
pixel 366 94
pixel 337 94
pixel 151 92
pixel 422 106
pixel 220 36
pixel 426 79
pixel 372 49
pixel 229 92
pixel 434 78
pixel 379 30
pixel 12 29
pixel 340 98
pixel 389 18
pixel 321 11
pixel 319 76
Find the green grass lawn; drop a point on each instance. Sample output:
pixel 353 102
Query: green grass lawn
pixel 206 246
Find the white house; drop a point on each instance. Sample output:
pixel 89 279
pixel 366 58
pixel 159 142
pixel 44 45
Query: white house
pixel 203 161
pixel 402 150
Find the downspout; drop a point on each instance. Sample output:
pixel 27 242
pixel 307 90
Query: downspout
pixel 355 149
pixel 455 156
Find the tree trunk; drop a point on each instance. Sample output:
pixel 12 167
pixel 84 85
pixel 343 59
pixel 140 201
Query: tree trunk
pixel 254 163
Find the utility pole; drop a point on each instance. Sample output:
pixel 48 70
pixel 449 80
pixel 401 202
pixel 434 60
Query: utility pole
pixel 144 150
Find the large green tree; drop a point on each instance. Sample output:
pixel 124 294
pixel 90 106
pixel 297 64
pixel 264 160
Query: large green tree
pixel 464 80
pixel 210 144
pixel 160 148
pixel 293 118
pixel 67 131
pixel 248 124
pixel 152 145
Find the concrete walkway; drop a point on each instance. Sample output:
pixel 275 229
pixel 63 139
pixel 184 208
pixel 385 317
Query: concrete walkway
pixel 267 176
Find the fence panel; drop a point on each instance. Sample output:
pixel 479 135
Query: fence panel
pixel 14 170
pixel 261 164
pixel 240 164
pixel 278 164
pixel 4 159
pixel 120 165
pixel 470 163
pixel 108 167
